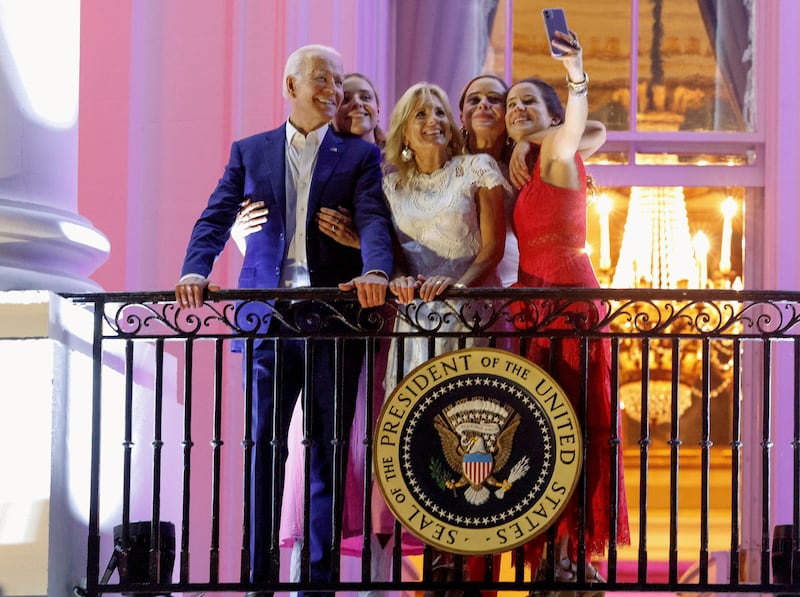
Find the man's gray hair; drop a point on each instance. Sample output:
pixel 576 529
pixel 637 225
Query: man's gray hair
pixel 295 61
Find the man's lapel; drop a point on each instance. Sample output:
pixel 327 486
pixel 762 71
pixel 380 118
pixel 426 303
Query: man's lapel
pixel 275 165
pixel 329 154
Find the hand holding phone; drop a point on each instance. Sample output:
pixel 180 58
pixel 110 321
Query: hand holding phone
pixel 555 20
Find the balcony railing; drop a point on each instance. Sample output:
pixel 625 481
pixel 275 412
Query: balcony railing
pixel 705 386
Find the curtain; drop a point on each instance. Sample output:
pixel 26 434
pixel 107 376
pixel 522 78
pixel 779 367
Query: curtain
pixel 730 26
pixel 441 41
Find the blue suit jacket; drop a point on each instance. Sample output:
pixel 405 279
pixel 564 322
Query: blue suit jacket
pixel 347 174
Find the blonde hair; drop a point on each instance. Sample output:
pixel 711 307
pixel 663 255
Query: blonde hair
pixel 417 95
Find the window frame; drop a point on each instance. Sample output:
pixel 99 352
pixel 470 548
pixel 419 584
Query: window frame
pixel 633 141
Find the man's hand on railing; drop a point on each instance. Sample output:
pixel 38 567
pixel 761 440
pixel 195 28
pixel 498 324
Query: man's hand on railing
pixel 371 288
pixel 190 289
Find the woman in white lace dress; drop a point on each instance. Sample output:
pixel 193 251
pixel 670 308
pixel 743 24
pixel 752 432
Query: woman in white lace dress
pixel 447 210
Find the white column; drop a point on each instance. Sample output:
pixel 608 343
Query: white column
pixel 44 243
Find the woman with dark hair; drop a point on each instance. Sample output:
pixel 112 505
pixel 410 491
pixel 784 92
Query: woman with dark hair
pixel 550 221
pixel 483 110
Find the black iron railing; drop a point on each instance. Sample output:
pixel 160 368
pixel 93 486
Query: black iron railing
pixel 705 388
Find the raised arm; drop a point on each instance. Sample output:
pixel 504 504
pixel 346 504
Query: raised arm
pixel 519 167
pixel 558 165
pixel 567 138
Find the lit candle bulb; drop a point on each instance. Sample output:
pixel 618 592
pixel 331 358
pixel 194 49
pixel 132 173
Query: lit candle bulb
pixel 728 211
pixel 603 207
pixel 701 245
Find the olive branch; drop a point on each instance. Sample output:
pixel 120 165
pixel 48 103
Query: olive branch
pixel 439 472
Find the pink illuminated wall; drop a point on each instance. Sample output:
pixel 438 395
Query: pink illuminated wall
pixel 165 88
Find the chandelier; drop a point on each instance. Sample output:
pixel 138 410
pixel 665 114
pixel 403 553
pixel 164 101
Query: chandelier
pixel 658 251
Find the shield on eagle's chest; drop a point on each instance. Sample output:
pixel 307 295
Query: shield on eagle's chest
pixel 477 467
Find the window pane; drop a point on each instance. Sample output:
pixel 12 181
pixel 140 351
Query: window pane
pixel 694 65
pixel 667 237
pixel 604 32
pixel 694 60
pixel 496 54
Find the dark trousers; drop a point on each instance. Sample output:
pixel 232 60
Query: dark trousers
pixel 328 392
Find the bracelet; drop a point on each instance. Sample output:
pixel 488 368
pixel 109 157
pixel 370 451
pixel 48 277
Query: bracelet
pixel 459 285
pixel 579 89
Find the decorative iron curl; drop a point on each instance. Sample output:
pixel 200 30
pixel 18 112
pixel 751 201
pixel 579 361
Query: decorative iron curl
pixel 547 314
pixel 430 317
pixel 703 318
pixel 308 316
pixel 767 317
pixel 482 316
pixel 131 319
pixel 652 317
pixel 637 316
pixel 648 315
pixel 375 319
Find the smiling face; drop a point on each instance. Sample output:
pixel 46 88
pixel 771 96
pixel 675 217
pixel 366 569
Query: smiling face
pixel 428 127
pixel 483 112
pixel 526 111
pixel 359 111
pixel 316 92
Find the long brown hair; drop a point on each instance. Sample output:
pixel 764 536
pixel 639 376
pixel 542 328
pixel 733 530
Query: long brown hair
pixel 508 144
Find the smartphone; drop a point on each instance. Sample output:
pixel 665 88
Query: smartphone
pixel 554 20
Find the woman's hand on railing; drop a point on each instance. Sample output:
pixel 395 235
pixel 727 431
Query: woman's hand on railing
pixel 432 286
pixel 404 287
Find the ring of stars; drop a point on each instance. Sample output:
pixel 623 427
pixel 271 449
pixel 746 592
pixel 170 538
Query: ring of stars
pixel 514 509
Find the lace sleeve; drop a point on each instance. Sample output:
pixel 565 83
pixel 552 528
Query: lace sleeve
pixel 485 171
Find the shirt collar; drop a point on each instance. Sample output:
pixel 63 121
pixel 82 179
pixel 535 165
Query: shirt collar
pixel 320 132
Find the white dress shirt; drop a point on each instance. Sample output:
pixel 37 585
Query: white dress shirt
pixel 301 157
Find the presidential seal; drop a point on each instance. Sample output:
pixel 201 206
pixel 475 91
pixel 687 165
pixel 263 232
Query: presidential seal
pixel 477 451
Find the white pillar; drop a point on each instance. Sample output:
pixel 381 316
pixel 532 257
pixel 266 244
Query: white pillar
pixel 44 243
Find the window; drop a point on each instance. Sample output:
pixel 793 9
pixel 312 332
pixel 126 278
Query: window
pixel 685 70
pixel 674 83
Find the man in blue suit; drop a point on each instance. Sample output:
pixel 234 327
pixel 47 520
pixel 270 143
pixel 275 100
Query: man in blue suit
pixel 295 170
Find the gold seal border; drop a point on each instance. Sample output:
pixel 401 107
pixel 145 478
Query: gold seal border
pixel 434 530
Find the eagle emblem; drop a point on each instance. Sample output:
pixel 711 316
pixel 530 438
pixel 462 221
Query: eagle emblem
pixel 477 435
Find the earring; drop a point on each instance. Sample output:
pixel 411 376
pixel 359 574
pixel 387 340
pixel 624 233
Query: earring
pixel 465 138
pixel 406 154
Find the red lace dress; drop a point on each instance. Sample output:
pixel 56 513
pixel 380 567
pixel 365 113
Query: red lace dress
pixel 551 230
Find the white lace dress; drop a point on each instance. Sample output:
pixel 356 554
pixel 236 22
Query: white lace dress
pixel 436 218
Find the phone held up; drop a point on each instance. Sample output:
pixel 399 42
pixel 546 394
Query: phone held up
pixel 554 20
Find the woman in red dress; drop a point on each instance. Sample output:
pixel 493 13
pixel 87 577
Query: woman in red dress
pixel 550 222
